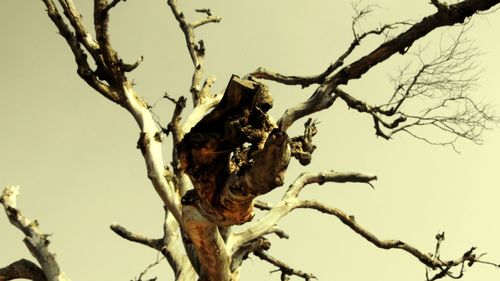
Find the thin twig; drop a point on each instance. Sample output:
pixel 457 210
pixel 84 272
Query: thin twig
pixel 143 273
pixel 283 267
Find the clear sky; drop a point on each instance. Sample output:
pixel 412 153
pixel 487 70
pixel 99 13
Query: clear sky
pixel 73 152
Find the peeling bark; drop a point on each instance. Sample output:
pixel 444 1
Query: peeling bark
pixel 234 154
pixel 209 245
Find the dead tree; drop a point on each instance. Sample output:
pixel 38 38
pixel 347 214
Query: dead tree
pixel 228 151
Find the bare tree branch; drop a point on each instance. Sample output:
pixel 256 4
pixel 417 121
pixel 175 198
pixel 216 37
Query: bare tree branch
pixel 303 81
pixel 361 106
pixel 156 244
pixel 278 232
pixel 322 97
pixel 436 96
pixel 262 205
pixel 111 69
pixel 36 242
pixel 453 14
pixel 206 11
pixel 22 269
pixel 145 271
pixel 196 49
pixel 230 164
pixel 199 112
pixel 444 86
pixel 283 267
pixel 242 253
pixel 207 20
pixel 131 67
pixel 289 202
pixel 84 69
pixel 428 260
pixel 112 5
pixel 178 177
pixel 166 246
pixel 180 264
pixel 440 6
pixel 82 35
pixel 306 81
pixel 321 178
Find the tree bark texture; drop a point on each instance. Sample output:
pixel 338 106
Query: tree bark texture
pixel 234 154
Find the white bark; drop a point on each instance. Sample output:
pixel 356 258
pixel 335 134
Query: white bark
pixel 150 145
pixel 36 241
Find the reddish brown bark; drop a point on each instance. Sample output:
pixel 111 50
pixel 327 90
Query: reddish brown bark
pixel 234 154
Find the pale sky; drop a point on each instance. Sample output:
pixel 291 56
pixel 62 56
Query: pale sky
pixel 73 152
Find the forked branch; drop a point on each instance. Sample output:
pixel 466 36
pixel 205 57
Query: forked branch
pixel 430 261
pixel 110 80
pixel 75 41
pixel 436 96
pixel 201 151
pixel 289 202
pixel 306 81
pixel 452 14
pixel 323 96
pixel 167 245
pixel 36 242
pixel 196 49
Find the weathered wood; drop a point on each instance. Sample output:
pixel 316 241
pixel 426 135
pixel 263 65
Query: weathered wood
pixel 36 241
pixel 234 154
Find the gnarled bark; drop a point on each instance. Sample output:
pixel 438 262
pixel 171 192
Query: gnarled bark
pixel 234 154
pixel 36 242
